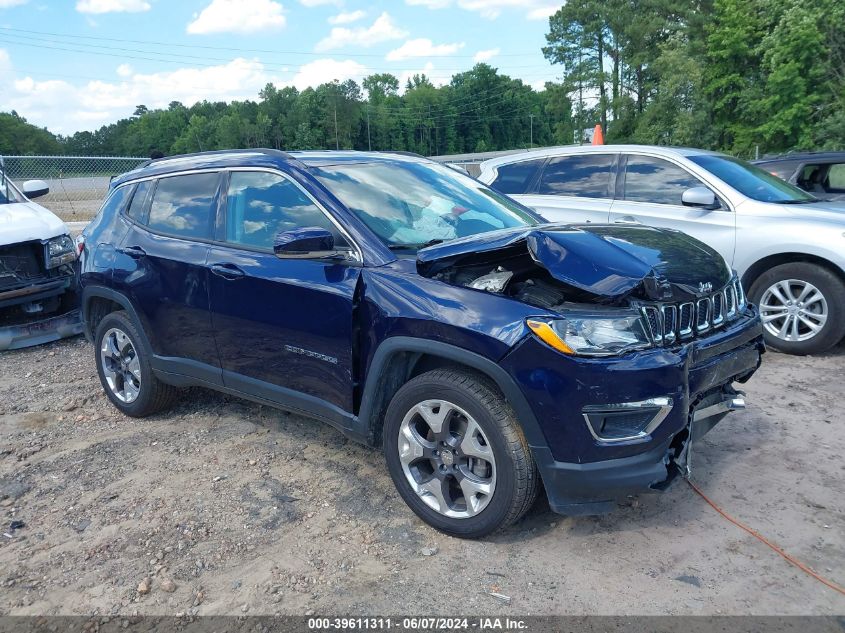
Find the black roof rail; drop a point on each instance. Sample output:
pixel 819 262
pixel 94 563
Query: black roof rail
pixel 402 153
pixel 256 150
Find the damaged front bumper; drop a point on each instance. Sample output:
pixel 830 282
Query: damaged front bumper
pixel 41 311
pixel 687 390
pixel 42 331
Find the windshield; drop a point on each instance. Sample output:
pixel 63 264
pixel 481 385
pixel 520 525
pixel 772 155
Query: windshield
pixel 410 205
pixel 752 181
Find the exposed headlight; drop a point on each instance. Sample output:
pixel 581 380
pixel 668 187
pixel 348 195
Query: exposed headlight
pixel 592 335
pixel 60 250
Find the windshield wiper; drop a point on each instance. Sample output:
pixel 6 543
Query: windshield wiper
pixel 414 247
pixel 810 201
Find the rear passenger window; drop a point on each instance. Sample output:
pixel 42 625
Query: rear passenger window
pixel 184 205
pixel 137 207
pixel 115 202
pixel 584 176
pixel 516 177
pixel 260 204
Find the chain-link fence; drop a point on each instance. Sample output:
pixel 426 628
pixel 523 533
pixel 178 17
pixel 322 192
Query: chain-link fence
pixel 78 184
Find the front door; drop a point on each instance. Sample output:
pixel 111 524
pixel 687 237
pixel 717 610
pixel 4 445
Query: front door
pixel 283 327
pixel 650 193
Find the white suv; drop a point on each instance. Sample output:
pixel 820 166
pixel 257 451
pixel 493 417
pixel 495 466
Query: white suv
pixel 787 245
pixel 38 298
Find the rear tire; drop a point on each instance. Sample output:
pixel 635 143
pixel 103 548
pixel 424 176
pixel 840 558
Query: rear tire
pixel 123 365
pixel 802 306
pixel 474 475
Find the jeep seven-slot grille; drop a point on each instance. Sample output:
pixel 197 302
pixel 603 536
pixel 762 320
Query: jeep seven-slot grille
pixel 671 322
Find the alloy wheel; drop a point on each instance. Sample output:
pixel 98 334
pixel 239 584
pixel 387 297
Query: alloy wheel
pixel 121 366
pixel 793 310
pixel 447 459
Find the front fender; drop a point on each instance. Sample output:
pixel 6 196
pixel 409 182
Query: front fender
pixel 373 402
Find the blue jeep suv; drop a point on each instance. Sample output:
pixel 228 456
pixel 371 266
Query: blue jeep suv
pixel 412 307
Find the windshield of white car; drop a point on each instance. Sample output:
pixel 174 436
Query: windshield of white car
pixel 751 181
pixel 410 205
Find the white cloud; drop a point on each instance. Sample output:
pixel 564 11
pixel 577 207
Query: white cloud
pixel 542 13
pixel 322 71
pixel 65 107
pixel 491 9
pixel 319 3
pixel 483 56
pixel 345 17
pixel 112 6
pixel 382 30
pixel 422 47
pixel 431 4
pixel 6 4
pixel 238 16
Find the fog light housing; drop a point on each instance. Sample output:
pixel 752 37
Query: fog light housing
pixel 626 421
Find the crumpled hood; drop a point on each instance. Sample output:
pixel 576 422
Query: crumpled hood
pixel 27 221
pixel 608 261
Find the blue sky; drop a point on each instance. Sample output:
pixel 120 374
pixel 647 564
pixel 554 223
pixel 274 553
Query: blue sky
pixel 76 64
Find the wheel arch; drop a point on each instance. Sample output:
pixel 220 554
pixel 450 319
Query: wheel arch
pixel 398 359
pixel 770 261
pixel 99 301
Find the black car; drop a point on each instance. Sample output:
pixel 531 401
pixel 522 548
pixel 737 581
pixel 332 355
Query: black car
pixel 820 173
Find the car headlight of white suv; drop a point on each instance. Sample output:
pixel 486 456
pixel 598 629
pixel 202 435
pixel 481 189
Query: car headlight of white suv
pixel 60 250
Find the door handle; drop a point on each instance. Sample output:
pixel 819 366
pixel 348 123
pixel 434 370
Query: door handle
pixel 135 252
pixel 627 219
pixel 227 271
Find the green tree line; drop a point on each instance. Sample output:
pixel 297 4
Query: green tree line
pixel 743 76
pixel 478 110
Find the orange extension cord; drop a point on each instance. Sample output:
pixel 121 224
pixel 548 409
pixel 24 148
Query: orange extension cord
pixel 767 542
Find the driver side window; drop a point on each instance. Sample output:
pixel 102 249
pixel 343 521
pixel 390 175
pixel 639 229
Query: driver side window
pixel 657 181
pixel 261 204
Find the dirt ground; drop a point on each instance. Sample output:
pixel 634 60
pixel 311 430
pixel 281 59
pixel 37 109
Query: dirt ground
pixel 225 507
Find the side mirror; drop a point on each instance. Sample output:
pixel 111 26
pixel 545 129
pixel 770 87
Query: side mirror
pixel 700 197
pixel 35 189
pixel 311 242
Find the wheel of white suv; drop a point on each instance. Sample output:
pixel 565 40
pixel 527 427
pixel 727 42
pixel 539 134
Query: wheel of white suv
pixel 457 455
pixel 802 307
pixel 124 368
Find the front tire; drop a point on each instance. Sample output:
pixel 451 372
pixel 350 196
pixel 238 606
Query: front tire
pixel 802 306
pixel 457 454
pixel 123 365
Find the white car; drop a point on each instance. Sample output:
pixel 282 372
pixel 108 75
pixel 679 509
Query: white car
pixel 787 246
pixel 38 298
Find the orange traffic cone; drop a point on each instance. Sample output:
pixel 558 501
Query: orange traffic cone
pixel 598 136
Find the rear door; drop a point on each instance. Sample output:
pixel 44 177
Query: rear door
pixel 649 192
pixel 575 189
pixel 283 327
pixel 162 268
